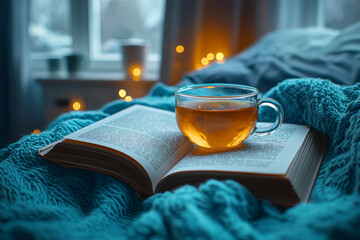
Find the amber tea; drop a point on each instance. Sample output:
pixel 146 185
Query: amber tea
pixel 217 124
pixel 222 116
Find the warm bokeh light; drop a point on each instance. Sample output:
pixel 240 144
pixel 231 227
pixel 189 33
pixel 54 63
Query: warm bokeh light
pixel 204 61
pixel 76 106
pixel 210 56
pixel 128 98
pixel 136 72
pixel 122 93
pixel 180 49
pixel 219 56
pixel 36 131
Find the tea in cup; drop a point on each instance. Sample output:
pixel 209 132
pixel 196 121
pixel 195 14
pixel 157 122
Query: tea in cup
pixel 222 116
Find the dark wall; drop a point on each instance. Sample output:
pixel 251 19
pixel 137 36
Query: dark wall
pixel 4 71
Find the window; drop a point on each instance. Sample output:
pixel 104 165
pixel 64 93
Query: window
pixel 95 29
pixel 115 20
pixel 50 31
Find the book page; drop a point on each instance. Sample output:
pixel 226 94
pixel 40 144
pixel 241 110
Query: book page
pixel 148 135
pixel 270 154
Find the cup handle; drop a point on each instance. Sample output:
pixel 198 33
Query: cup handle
pixel 279 116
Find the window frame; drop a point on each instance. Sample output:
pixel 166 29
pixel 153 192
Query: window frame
pixel 82 31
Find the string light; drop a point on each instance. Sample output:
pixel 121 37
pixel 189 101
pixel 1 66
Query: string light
pixel 219 56
pixel 122 93
pixel 180 49
pixel 204 61
pixel 128 99
pixel 36 132
pixel 136 72
pixel 76 106
pixel 210 56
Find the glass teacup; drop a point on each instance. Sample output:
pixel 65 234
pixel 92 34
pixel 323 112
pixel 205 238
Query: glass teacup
pixel 222 116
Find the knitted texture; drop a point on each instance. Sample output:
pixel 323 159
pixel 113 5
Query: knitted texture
pixel 42 200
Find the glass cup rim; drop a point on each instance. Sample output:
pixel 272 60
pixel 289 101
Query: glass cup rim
pixel 180 91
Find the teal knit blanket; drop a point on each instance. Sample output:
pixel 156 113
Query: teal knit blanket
pixel 42 200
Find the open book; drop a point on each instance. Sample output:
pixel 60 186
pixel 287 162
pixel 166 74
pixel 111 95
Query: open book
pixel 144 147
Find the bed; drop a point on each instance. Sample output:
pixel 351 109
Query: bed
pixel 313 73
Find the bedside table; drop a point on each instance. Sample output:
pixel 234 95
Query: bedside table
pixel 87 91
